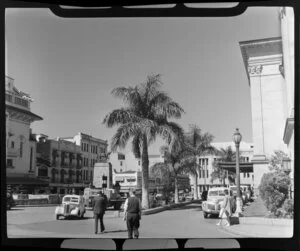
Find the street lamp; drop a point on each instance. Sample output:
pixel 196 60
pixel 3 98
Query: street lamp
pixel 237 138
pixel 286 163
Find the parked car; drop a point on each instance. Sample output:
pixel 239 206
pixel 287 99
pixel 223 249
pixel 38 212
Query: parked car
pixel 9 201
pixel 72 205
pixel 215 198
pixel 242 192
pixel 204 195
pixel 248 192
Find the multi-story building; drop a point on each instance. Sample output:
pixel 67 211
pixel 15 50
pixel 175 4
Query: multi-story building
pixel 269 67
pixel 93 149
pixel 20 148
pixel 206 163
pixel 125 161
pixel 60 161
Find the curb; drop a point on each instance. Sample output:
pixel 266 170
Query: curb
pixel 168 207
pixel 43 205
pixel 265 221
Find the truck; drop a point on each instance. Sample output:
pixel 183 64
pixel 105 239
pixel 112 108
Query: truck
pixel 114 199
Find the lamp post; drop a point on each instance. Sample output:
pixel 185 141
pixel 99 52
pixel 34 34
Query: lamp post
pixel 237 137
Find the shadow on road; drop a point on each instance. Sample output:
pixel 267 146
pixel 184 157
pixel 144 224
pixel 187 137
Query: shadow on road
pixel 114 231
pixel 16 209
pixel 196 207
pixel 75 218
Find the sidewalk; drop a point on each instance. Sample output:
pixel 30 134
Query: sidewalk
pixel 255 223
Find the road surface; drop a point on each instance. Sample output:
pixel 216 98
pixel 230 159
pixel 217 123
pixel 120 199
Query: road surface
pixel 185 222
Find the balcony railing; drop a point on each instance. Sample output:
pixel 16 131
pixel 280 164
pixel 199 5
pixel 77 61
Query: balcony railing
pixel 46 178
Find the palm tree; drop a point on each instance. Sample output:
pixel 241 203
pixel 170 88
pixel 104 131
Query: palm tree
pixel 172 164
pixel 198 144
pixel 224 155
pixel 145 117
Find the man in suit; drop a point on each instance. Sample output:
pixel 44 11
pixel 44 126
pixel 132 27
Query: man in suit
pixel 99 207
pixel 133 212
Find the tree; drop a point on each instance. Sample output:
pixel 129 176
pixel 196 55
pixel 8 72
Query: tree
pixel 224 155
pixel 146 116
pixel 172 164
pixel 197 144
pixel 274 189
pixel 276 161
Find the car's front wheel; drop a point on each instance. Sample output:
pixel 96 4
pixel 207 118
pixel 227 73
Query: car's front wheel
pixel 57 217
pixel 205 215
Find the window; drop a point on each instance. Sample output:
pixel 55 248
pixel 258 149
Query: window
pixel 21 149
pixel 91 176
pixel 12 144
pixel 244 175
pixel 87 147
pixel 31 153
pixel 82 149
pixel 248 175
pixel 121 156
pixel 206 173
pixel 121 163
pixel 139 163
pixel 21 102
pixel 8 97
pixel 9 162
pixel 200 174
pixel 42 172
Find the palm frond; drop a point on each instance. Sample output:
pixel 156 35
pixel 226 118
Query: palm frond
pixel 120 116
pixel 128 130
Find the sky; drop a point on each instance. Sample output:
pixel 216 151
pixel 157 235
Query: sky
pixel 70 66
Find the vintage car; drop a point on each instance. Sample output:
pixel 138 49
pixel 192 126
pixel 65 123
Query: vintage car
pixel 243 193
pixel 72 205
pixel 215 198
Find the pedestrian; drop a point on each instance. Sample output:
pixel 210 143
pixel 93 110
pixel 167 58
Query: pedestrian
pixel 132 214
pixel 99 207
pixel 225 211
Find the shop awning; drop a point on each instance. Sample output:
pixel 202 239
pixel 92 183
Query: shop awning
pixel 25 181
pixel 245 167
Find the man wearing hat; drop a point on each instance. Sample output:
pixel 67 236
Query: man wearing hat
pixel 99 207
pixel 133 212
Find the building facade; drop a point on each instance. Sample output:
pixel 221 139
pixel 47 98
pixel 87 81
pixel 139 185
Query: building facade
pixel 93 149
pixel 61 163
pixel 20 148
pixel 288 43
pixel 125 161
pixel 206 162
pixel 269 67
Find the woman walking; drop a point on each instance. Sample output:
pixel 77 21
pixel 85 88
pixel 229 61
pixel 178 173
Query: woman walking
pixel 226 210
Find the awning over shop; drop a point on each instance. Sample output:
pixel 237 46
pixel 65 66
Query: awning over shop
pixel 245 167
pixel 25 181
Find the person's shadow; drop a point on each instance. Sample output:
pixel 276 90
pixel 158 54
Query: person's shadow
pixel 114 231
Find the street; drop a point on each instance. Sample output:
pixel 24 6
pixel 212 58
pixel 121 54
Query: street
pixel 185 222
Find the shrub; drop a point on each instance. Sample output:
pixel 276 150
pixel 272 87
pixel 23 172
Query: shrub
pixel 287 210
pixel 273 189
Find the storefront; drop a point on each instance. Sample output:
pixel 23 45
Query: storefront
pixel 25 184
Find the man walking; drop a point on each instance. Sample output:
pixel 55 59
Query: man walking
pixel 99 207
pixel 133 212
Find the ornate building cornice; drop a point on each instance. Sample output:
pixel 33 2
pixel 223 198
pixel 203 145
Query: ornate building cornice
pixel 255 70
pixel 259 48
